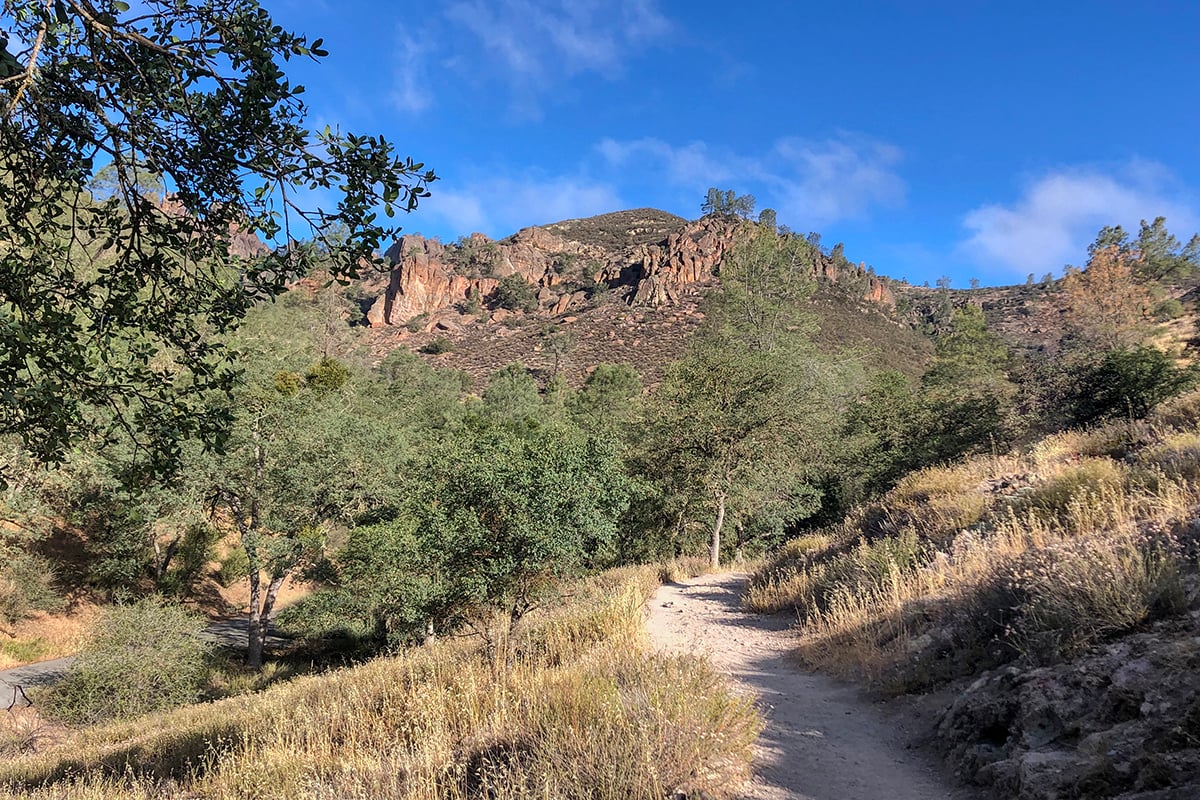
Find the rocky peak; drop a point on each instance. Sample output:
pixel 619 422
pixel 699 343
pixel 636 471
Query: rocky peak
pixel 644 257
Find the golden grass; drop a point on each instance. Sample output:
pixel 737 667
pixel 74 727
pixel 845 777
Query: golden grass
pixel 682 568
pixel 44 636
pixel 582 709
pixel 964 566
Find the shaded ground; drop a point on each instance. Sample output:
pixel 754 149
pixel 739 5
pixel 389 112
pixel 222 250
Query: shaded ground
pixel 823 740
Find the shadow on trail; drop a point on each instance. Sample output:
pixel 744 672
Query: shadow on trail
pixel 823 740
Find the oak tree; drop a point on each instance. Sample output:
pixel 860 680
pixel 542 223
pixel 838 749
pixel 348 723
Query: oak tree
pixel 108 304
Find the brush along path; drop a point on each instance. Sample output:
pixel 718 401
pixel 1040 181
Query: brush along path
pixel 229 632
pixel 822 740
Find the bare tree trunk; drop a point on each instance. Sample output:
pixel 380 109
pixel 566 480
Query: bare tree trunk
pixel 714 546
pixel 260 618
pixel 254 643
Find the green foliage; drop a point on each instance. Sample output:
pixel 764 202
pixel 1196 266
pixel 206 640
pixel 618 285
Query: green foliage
pixel 494 518
pixel 1168 309
pixel 417 324
pixel 235 566
pixel 1160 255
pixel 287 383
pixel 608 399
pixel 514 293
pixel 728 203
pixel 143 657
pixel 327 375
pixel 26 584
pixel 438 346
pixel 108 307
pixel 1128 382
pixel 511 514
pixel 741 425
pixel 511 397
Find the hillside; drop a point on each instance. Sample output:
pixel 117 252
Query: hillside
pixel 623 287
pixel 1041 605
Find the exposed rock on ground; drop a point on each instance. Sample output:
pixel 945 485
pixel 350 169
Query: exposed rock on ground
pixel 1121 722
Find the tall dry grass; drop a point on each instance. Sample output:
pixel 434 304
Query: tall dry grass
pixel 963 567
pixel 580 708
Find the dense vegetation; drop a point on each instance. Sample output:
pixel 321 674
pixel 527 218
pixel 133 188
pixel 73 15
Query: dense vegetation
pixel 176 415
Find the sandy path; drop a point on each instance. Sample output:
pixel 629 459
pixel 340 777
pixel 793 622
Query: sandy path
pixel 822 740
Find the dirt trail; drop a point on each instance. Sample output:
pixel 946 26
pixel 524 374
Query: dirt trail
pixel 823 740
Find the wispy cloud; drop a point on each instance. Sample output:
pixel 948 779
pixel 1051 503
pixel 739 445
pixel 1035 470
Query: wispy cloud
pixel 535 44
pixel 1059 213
pixel 410 88
pixel 499 206
pixel 810 182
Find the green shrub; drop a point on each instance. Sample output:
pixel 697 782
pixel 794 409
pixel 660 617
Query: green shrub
pixel 140 658
pixel 1129 382
pixel 26 584
pixel 234 567
pixel 515 294
pixel 417 323
pixel 438 346
pixel 1168 310
pixel 327 375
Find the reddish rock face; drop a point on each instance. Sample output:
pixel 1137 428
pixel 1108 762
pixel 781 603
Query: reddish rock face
pixel 429 278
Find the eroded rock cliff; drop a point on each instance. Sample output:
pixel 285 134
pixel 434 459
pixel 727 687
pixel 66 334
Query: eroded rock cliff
pixel 567 263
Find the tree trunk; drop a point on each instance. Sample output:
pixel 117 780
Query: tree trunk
pixel 260 618
pixel 254 624
pixel 714 546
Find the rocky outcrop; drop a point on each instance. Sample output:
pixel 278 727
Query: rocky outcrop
pixel 687 258
pixel 432 279
pixel 1121 722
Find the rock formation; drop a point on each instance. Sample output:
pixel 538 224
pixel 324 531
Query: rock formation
pixel 430 280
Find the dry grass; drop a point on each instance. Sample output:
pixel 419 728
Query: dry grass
pixel 964 567
pixel 683 568
pixel 45 636
pixel 583 709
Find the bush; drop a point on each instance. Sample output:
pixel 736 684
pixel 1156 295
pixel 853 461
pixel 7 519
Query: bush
pixel 1129 382
pixel 26 584
pixel 1078 596
pixel 1168 310
pixel 515 294
pixel 234 567
pixel 328 374
pixel 438 346
pixel 417 323
pixel 143 657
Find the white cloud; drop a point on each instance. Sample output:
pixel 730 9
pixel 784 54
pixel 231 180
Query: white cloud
pixel 809 182
pixel 833 179
pixel 502 205
pixel 537 43
pixel 410 90
pixel 1058 215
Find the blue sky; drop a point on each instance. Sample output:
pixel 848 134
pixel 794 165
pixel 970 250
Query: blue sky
pixel 968 139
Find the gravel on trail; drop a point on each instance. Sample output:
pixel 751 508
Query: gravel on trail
pixel 823 740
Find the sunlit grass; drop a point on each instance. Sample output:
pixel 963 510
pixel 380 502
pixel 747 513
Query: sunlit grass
pixel 576 706
pixel 966 566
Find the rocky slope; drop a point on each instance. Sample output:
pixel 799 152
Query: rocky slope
pixel 645 257
pixel 620 287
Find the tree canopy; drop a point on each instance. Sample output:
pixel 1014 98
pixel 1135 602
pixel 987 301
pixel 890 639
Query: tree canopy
pixel 108 302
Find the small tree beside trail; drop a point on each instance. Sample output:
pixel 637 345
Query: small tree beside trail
pixel 741 424
pixel 300 460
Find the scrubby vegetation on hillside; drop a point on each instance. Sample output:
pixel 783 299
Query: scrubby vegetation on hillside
pixel 1031 564
pixel 573 706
